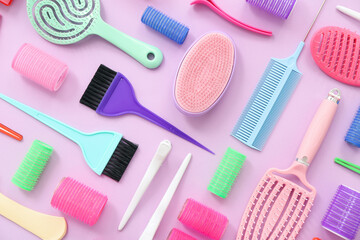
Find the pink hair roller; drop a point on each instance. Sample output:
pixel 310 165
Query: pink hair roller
pixel 40 67
pixel 79 201
pixel 203 219
pixel 176 234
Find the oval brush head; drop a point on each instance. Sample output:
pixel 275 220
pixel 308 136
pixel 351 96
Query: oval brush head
pixel 204 73
pixel 337 53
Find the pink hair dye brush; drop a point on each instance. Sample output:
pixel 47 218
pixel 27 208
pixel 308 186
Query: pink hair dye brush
pixel 210 4
pixel 279 207
pixel 204 73
pixel 111 94
pixel 336 51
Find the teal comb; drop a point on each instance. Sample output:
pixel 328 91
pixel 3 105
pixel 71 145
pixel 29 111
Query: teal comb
pixel 269 98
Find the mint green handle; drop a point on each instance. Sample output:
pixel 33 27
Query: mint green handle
pixel 146 54
pixel 67 131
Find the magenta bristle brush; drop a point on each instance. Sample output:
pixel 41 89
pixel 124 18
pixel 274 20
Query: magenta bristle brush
pixel 280 8
pixel 343 215
pixel 111 94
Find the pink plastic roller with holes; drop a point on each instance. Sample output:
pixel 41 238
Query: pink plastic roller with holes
pixel 176 234
pixel 40 67
pixel 203 219
pixel 79 201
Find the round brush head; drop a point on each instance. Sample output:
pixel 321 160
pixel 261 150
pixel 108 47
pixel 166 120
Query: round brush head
pixel 353 134
pixel 176 234
pixel 226 173
pixel 280 8
pixel 203 219
pixel 165 25
pixel 79 201
pixel 40 67
pixel 30 169
pixel 343 215
pixel 204 73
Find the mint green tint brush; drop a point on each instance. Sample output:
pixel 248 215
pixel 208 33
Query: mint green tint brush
pixel 68 21
pixel 107 153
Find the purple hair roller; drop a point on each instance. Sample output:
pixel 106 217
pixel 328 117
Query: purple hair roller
pixel 280 8
pixel 343 215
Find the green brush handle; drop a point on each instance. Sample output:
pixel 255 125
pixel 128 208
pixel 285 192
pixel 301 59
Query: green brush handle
pixel 147 55
pixel 67 131
pixel 348 165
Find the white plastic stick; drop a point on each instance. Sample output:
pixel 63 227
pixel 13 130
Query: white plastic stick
pixel 156 218
pixel 349 12
pixel 158 159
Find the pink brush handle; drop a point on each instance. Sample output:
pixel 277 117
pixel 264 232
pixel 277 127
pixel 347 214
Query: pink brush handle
pixel 220 12
pixel 318 128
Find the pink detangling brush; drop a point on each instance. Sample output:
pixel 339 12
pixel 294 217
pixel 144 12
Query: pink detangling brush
pixel 279 207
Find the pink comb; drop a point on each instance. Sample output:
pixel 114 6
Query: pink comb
pixel 176 234
pixel 337 53
pixel 203 219
pixel 79 201
pixel 40 67
pixel 279 207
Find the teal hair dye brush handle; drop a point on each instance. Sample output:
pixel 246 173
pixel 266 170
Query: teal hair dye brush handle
pixel 67 22
pixel 97 147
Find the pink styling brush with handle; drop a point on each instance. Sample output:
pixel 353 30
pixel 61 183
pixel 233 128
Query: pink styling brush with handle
pixel 279 207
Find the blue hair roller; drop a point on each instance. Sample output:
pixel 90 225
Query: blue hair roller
pixel 353 134
pixel 165 25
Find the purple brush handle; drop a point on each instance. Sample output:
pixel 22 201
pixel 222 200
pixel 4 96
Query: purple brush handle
pixel 120 99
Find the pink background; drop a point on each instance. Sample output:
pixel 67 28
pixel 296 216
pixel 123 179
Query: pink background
pixel 154 90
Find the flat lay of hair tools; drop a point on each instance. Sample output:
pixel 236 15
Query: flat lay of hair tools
pixel 196 92
pixel 165 25
pixel 158 159
pixel 269 98
pixel 281 8
pixel 130 97
pixel 156 218
pixel 42 225
pixel 30 169
pixel 40 67
pixel 327 49
pixel 265 217
pixel 11 133
pixel 214 7
pixel 105 152
pixel 349 165
pixel 342 217
pixel 111 94
pixel 67 22
pixel 350 12
pixel 353 133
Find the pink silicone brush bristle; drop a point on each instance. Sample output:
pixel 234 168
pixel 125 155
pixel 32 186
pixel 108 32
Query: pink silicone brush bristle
pixel 337 52
pixel 204 73
pixel 277 209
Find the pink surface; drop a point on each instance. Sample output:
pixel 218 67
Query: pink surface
pixel 154 89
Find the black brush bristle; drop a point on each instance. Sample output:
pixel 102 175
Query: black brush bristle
pixel 120 159
pixel 98 86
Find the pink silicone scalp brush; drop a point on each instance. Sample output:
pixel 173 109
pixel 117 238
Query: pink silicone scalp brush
pixel 336 51
pixel 204 73
pixel 279 207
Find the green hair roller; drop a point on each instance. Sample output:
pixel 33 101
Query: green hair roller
pixel 226 173
pixel 32 166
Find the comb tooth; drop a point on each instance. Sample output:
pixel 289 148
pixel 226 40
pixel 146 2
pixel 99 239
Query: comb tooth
pixel 352 64
pixel 305 213
pixel 326 46
pixel 335 43
pixel 345 56
pixel 357 72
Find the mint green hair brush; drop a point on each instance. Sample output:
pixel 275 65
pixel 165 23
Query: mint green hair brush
pixel 68 21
